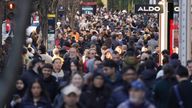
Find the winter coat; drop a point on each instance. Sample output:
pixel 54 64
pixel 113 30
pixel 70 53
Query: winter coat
pixel 184 88
pixel 128 104
pixel 114 84
pixel 95 97
pixel 118 96
pixel 161 92
pixel 51 86
pixel 30 76
pixel 42 103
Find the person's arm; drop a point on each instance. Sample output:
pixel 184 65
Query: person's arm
pixel 172 100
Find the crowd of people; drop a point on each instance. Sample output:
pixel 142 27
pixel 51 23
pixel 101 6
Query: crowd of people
pixel 109 60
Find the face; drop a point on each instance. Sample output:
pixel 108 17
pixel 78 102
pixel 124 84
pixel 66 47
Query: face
pixel 72 53
pixel 98 81
pixel 189 66
pixel 108 55
pixel 19 85
pixel 136 96
pixel 96 64
pixel 77 80
pixel 57 64
pixel 46 72
pixel 73 67
pixel 129 76
pixel 92 54
pixel 36 90
pixel 116 57
pixel 108 71
pixel 71 99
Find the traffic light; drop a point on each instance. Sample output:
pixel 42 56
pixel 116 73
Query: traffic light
pixel 10 6
pixel 10 9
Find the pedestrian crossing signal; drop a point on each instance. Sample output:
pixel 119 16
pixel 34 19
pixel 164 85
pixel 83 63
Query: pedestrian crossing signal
pixel 11 6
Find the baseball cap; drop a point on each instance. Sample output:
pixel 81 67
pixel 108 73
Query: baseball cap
pixel 138 85
pixel 70 89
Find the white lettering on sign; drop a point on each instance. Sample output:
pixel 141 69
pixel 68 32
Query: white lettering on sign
pixel 176 9
pixel 149 9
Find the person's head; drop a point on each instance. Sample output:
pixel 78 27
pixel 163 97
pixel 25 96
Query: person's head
pixel 116 56
pixel 174 56
pixel 92 53
pixel 36 89
pixel 98 80
pixel 20 85
pixel 57 64
pixel 109 67
pixel 56 52
pixel 189 66
pixel 97 62
pixel 71 95
pixel 165 52
pixel 74 66
pixel 42 49
pixel 168 71
pixel 47 70
pixel 73 52
pixel 77 80
pixel 37 63
pixel 129 74
pixel 108 55
pixel 137 92
pixel 182 73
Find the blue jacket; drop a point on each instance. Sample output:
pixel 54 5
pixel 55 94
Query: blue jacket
pixel 114 84
pixel 118 96
pixel 128 104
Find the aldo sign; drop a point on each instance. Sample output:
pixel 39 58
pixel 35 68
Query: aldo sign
pixel 148 9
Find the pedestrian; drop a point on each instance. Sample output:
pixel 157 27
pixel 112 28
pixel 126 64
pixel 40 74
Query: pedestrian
pixel 97 94
pixel 163 86
pixel 18 95
pixel 71 96
pixel 34 72
pixel 35 97
pixel 49 81
pixel 180 95
pixel 137 97
pixel 120 94
pixel 112 77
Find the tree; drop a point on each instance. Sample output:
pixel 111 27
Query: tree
pixel 44 7
pixel 1 20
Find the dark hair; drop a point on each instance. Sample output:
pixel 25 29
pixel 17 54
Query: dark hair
pixel 47 65
pixel 76 63
pixel 174 56
pixel 115 52
pixel 165 60
pixel 109 63
pixel 29 94
pixel 188 62
pixel 165 52
pixel 43 49
pixel 182 71
pixel 168 71
pixel 125 69
pixel 97 58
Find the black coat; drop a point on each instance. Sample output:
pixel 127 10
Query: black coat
pixel 185 91
pixel 42 103
pixel 95 98
pixel 51 86
pixel 30 76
